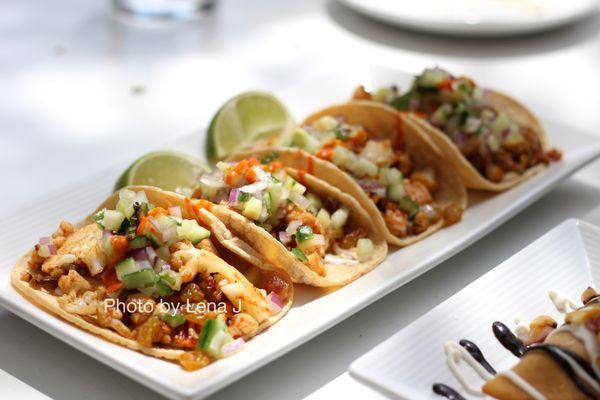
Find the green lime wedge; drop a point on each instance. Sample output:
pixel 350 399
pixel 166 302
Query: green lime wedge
pixel 169 170
pixel 243 121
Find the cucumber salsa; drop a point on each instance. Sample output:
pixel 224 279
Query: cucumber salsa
pixel 493 142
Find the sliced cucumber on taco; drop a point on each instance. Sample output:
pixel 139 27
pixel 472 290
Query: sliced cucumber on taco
pixel 492 140
pixel 370 152
pixel 300 223
pixel 142 272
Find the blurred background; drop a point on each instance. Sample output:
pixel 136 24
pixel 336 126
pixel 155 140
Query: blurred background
pixel 84 84
pixel 87 85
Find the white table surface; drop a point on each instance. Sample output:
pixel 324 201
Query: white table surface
pixel 68 73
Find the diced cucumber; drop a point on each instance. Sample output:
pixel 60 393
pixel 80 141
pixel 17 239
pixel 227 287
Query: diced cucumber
pixel 340 156
pixel 99 218
pixel 253 208
pixel 294 185
pixel 364 249
pixel 174 320
pixel 303 233
pixel 365 167
pixel 144 278
pixel 315 201
pixel 171 278
pixel 275 193
pixel 138 242
pixel 213 336
pixel 303 139
pixel 500 123
pixel 431 78
pixel 493 143
pixel 409 206
pixel 191 231
pixel 125 206
pixel 299 254
pixel 312 243
pixel 514 137
pixel 162 289
pixel 339 218
pixel 269 204
pixel 396 192
pixel 125 267
pixel 440 116
pixel 390 176
pixel 326 123
pixel 324 218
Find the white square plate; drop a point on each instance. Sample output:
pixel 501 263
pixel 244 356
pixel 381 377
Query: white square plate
pixel 314 310
pixel 566 259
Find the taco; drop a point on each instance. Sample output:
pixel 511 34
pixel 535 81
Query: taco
pixel 492 140
pixel 143 273
pixel 318 234
pixel 369 151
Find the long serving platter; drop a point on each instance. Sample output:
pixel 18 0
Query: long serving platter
pixel 321 308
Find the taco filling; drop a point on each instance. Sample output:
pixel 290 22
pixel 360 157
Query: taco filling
pixel 315 230
pixel 488 138
pixel 404 194
pixel 154 277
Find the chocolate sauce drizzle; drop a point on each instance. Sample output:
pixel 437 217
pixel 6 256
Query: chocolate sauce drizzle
pixel 476 353
pixel 508 339
pixel 513 344
pixel 447 392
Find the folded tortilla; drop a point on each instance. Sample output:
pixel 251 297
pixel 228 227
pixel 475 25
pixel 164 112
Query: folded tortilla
pixel 388 124
pixel 250 299
pixel 469 175
pixel 338 271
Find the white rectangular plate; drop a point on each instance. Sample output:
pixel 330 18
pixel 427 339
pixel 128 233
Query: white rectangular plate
pixel 314 310
pixel 566 259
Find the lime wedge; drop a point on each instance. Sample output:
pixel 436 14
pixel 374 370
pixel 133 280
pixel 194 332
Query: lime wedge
pixel 243 121
pixel 169 170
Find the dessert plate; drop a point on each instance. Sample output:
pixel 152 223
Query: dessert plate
pixel 323 309
pixel 566 259
pixel 476 17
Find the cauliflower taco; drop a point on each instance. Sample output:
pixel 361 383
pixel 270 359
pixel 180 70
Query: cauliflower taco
pixel 300 223
pixel 370 152
pixel 143 273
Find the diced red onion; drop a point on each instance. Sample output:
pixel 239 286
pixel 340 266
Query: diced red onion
pixel 299 200
pixel 45 240
pixel 152 256
pixel 284 237
pixel 51 249
pixel 140 255
pixel 160 264
pixel 461 139
pixel 472 124
pixel 233 196
pixel 372 186
pixel 143 264
pixel 261 174
pixel 254 187
pixel 165 267
pixel 175 211
pixel 232 347
pixel 154 223
pixel 275 302
pixel 293 227
pixel 413 104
